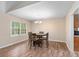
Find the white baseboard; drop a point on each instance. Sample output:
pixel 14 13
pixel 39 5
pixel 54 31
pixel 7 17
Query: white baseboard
pixel 57 41
pixel 12 44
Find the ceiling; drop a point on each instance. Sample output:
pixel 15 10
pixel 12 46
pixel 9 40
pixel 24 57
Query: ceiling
pixel 33 10
pixel 77 11
pixel 7 6
pixel 13 5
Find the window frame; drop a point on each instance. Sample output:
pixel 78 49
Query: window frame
pixel 19 28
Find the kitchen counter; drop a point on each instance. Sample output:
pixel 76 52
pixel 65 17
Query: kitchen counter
pixel 76 35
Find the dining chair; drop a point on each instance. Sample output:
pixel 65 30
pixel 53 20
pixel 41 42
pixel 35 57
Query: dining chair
pixel 45 38
pixel 34 38
pixel 30 39
pixel 37 41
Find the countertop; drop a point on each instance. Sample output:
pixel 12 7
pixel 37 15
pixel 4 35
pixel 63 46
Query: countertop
pixel 76 35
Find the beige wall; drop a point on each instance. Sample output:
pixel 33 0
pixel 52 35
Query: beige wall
pixel 55 27
pixel 5 38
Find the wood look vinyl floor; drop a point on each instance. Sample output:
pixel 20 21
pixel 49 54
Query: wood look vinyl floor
pixel 55 49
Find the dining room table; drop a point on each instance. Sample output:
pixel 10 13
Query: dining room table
pixel 40 35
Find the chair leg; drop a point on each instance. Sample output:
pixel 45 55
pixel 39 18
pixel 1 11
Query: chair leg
pixel 30 44
pixel 41 44
pixel 34 44
pixel 47 44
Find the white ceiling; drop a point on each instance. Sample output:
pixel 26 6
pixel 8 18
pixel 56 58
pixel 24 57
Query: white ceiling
pixel 33 10
pixel 7 6
pixel 2 6
pixel 43 10
pixel 12 5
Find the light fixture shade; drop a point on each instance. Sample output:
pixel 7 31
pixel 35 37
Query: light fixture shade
pixel 40 22
pixel 37 22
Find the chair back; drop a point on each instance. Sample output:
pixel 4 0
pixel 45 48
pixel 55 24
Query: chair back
pixel 46 36
pixel 34 35
pixel 41 32
pixel 30 35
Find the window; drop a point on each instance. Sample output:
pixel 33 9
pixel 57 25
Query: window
pixel 18 28
pixel 23 28
pixel 15 28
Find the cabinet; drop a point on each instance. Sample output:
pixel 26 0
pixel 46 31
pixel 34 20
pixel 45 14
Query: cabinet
pixel 76 25
pixel 76 43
